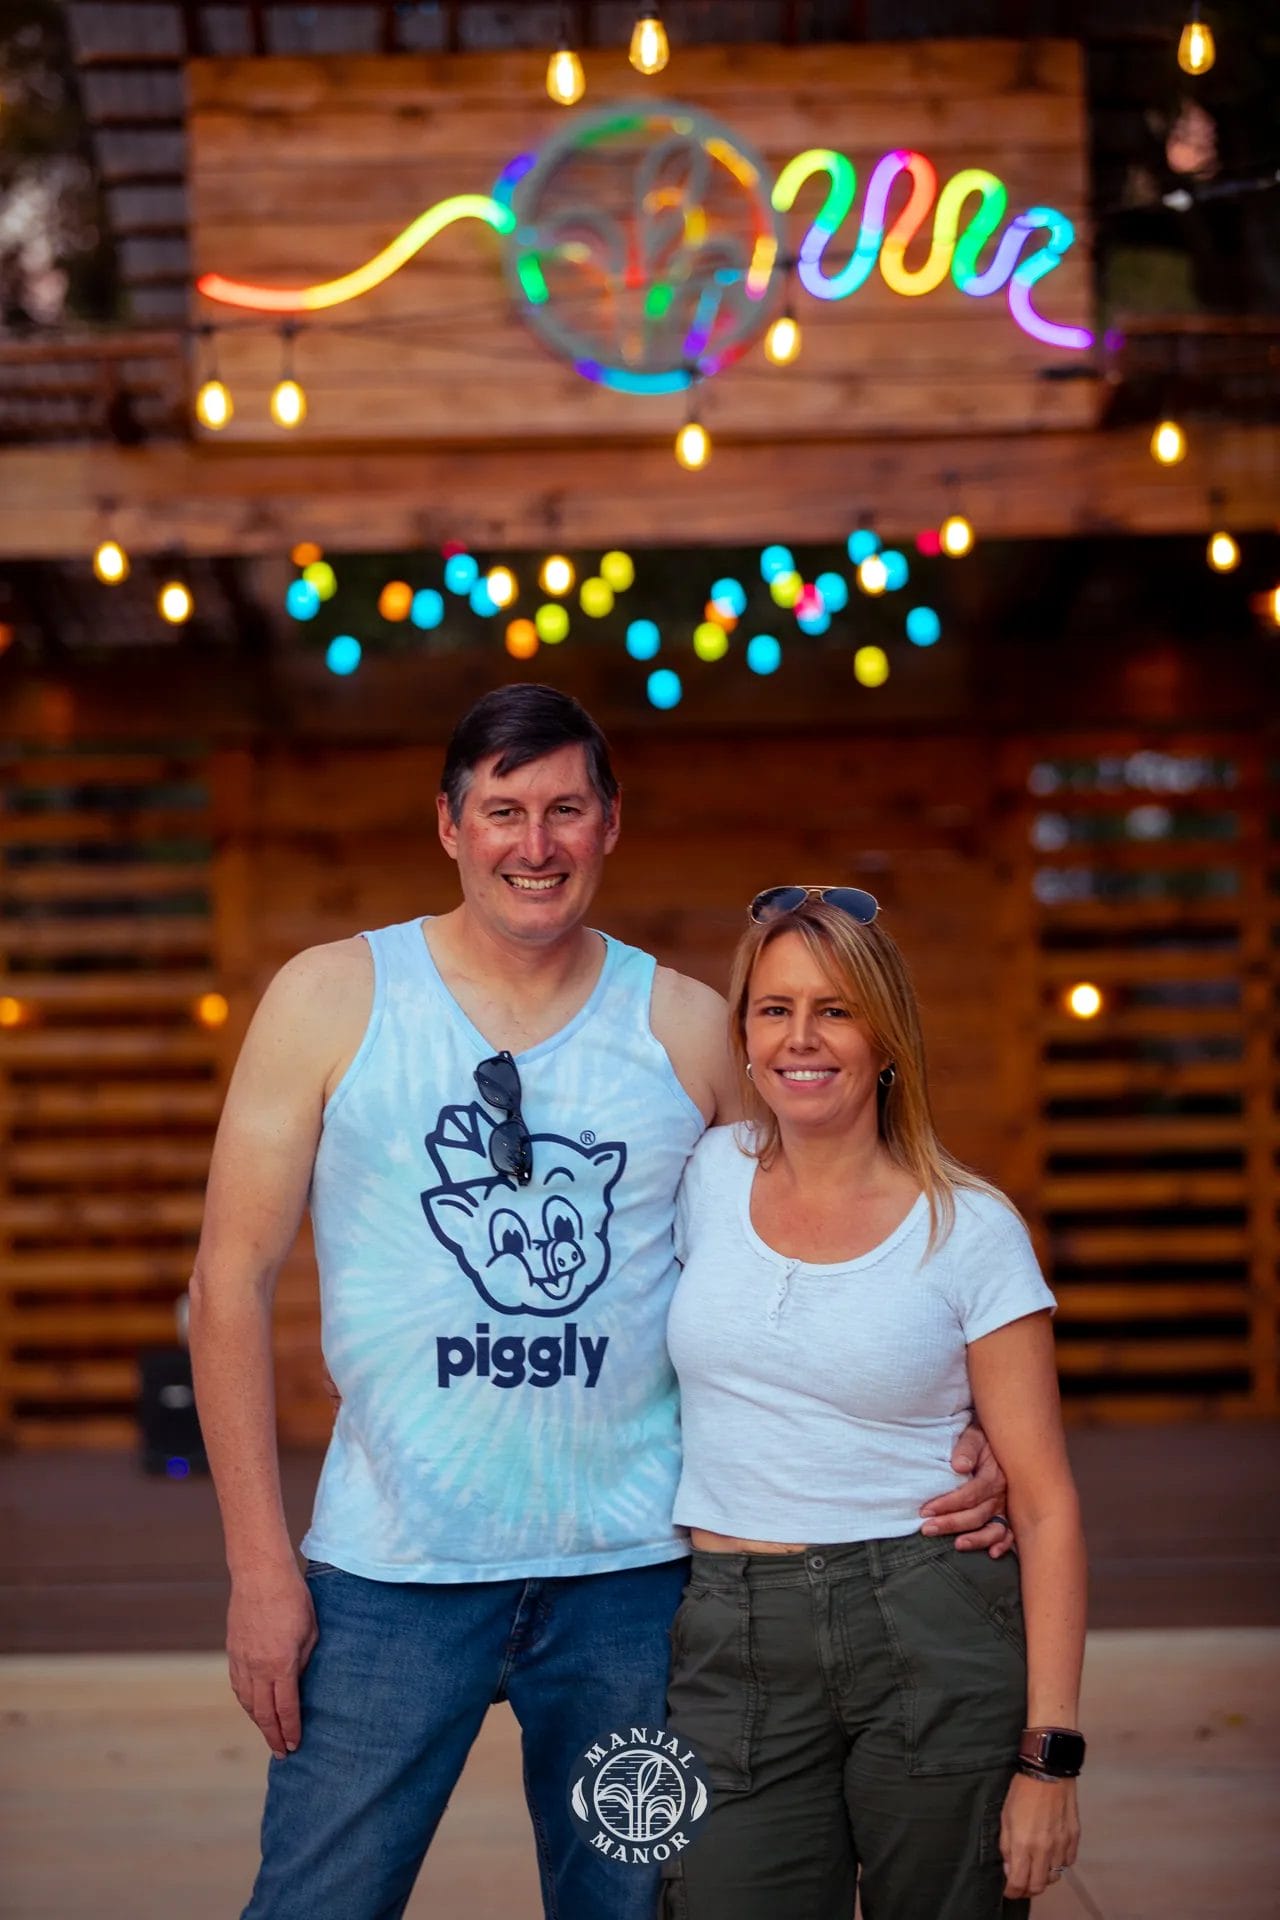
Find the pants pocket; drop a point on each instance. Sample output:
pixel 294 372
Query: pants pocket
pixel 715 1697
pixel 961 1667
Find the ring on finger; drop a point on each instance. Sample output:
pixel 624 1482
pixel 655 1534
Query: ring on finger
pixel 1002 1519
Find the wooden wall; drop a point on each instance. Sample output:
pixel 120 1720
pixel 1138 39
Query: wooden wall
pixel 1143 1146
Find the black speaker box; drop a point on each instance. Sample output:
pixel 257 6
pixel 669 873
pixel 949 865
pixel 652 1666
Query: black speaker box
pixel 170 1427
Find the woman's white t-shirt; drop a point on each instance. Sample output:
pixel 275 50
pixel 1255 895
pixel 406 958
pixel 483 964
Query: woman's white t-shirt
pixel 821 1403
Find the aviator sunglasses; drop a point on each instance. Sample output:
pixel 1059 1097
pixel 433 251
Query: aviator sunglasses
pixel 510 1147
pixel 860 906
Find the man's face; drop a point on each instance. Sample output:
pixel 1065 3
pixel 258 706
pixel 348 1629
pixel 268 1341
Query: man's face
pixel 530 845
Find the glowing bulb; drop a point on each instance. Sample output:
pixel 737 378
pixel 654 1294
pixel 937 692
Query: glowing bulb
pixel 1196 51
pixel 175 602
pixel 596 597
pixel 427 609
pixel 785 589
pixel 213 405
pixel 395 600
pixel 955 536
pixel 649 49
pixel 343 654
pixel 503 586
pixel 522 640
pixel 551 623
pixel 211 1010
pixel 288 404
pixel 566 82
pixel 302 602
pixel 1083 1000
pixel 1168 443
pixel 320 575
pixel 871 666
pixel 643 639
pixel 873 575
pixel 12 1012
pixel 693 445
pixel 1223 553
pixel 664 689
pixel 306 553
pixel 764 653
pixel 782 342
pixel 1274 601
pixel 710 642
pixel 619 569
pixel 111 563
pixel 557 575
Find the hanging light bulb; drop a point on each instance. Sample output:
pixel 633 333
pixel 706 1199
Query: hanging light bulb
pixel 566 82
pixel 111 563
pixel 1168 443
pixel 782 342
pixel 288 404
pixel 175 602
pixel 955 536
pixel 649 48
pixel 1196 51
pixel 1223 554
pixel 213 406
pixel 693 445
pixel 503 586
pixel 557 575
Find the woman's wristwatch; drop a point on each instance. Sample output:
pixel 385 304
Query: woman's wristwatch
pixel 1051 1753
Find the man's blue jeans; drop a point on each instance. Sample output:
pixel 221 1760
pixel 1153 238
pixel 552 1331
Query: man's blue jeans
pixel 392 1699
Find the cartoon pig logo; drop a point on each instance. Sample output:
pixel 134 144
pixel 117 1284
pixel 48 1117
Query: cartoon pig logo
pixel 537 1249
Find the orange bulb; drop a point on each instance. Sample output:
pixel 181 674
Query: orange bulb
pixel 211 1010
pixel 306 553
pixel 1083 1000
pixel 395 600
pixel 522 640
pixel 12 1011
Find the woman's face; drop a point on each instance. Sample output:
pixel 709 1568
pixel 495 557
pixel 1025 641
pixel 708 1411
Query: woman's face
pixel 813 1060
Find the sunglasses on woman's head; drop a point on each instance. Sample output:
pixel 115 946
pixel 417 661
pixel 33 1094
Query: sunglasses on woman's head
pixel 860 906
pixel 510 1147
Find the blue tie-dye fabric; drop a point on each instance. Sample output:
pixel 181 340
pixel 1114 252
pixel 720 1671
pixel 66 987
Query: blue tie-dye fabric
pixel 508 1408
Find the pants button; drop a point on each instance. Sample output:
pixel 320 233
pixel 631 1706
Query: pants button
pixel 817 1562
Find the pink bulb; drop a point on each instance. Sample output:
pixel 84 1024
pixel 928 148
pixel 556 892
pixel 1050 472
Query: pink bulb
pixel 810 602
pixel 451 547
pixel 928 542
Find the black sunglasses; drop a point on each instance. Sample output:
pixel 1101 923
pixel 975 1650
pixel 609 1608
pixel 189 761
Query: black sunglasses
pixel 510 1147
pixel 860 906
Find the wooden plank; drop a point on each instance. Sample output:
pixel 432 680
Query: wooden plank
pixel 1141 964
pixel 105 1049
pixel 1143 1023
pixel 1208 854
pixel 103 1432
pixel 126 826
pixel 1150 1133
pixel 101 1163
pixel 91 1270
pixel 74 1380
pixel 113 990
pixel 1133 1301
pixel 100 881
pixel 66 1215
pixel 152 935
pixel 113 1325
pixel 92 1103
pixel 65 767
pixel 1260 1081
pixel 1115 916
pixel 1131 1246
pixel 1156 1409
pixel 1067 1192
pixel 1151 1356
pixel 1099 1079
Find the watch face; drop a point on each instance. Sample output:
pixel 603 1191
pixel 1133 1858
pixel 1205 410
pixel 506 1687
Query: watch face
pixel 1062 1753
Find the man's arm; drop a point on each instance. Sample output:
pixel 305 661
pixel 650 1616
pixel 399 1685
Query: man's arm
pixel 308 1025
pixel 692 1022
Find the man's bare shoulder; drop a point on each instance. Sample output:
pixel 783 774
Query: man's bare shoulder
pixel 313 1014
pixel 690 1002
pixel 692 1022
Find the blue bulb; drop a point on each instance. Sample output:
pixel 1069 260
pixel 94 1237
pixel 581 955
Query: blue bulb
pixel 665 689
pixel 482 601
pixel 643 639
pixel 776 560
pixel 176 1467
pixel 732 594
pixel 344 653
pixel 302 600
pixel 896 570
pixel 862 544
pixel 461 572
pixel 427 609
pixel 813 622
pixel 764 653
pixel 834 590
pixel 923 626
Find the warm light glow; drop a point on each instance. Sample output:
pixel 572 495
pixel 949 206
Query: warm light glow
pixel 211 1010
pixel 522 640
pixel 955 536
pixel 1223 553
pixel 503 586
pixel 12 1012
pixel 1083 1000
pixel 710 641
pixel 785 588
pixel 873 575
pixel 175 602
pixel 288 404
pixel 551 623
pixel 693 445
pixel 1196 51
pixel 213 405
pixel 1168 443
pixel 1275 605
pixel 306 553
pixel 557 575
pixel 596 597
pixel 619 569
pixel 782 342
pixel 871 666
pixel 649 49
pixel 566 82
pixel 320 575
pixel 111 563
pixel 395 600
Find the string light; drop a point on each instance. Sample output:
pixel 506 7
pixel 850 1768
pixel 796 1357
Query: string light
pixel 782 342
pixel 693 446
pixel 955 536
pixel 776 560
pixel 395 600
pixel 1168 443
pixel 871 666
pixel 320 575
pixel 302 602
pixel 521 640
pixel 306 553
pixel 175 602
pixel 211 1010
pixel 764 653
pixel 557 575
pixel 551 623
pixel 619 569
pixel 461 572
pixel 873 575
pixel 427 609
pixel 1083 1000
pixel 785 588
pixel 596 597
pixel 343 655
pixel 1274 598
pixel 664 689
pixel 111 563
pixel 650 50
pixel 12 1010
pixel 710 641
pixel 1223 554
pixel 924 629
pixel 1196 51
pixel 566 82
pixel 643 639
pixel 503 586
pixel 213 406
pixel 861 544
pixel 288 404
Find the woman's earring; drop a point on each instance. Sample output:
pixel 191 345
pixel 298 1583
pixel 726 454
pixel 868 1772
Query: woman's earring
pixel 888 1075
pixel 750 1073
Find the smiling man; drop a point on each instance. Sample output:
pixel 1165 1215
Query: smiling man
pixel 489 1112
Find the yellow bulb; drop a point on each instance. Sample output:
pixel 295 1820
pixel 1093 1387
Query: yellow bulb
pixel 649 49
pixel 1083 1000
pixel 782 342
pixel 211 1010
pixel 288 404
pixel 1275 605
pixel 619 569
pixel 1196 51
pixel 557 575
pixel 710 641
pixel 175 602
pixel 320 575
pixel 1168 443
pixel 566 82
pixel 693 445
pixel 551 623
pixel 871 666
pixel 213 405
pixel 12 1012
pixel 111 563
pixel 1224 554
pixel 785 589
pixel 873 575
pixel 503 586
pixel 955 536
pixel 596 597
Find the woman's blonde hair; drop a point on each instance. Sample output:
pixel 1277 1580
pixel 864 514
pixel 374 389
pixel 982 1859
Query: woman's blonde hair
pixel 863 964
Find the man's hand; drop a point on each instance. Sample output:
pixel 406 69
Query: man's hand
pixel 271 1634
pixel 973 1512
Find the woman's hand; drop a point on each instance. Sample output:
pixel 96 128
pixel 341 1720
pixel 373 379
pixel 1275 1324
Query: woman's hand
pixel 1039 1834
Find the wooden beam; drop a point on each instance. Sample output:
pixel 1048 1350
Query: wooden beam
pixel 211 500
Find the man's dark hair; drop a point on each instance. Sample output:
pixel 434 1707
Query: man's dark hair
pixel 521 723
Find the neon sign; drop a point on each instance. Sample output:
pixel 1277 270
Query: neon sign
pixel 647 245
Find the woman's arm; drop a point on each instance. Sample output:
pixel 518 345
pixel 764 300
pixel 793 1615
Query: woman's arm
pixel 1015 1391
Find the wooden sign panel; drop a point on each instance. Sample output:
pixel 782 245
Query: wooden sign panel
pixel 466 262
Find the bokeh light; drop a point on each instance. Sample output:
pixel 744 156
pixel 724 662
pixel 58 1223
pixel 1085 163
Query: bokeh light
pixel 427 609
pixel 786 588
pixel 556 574
pixel 1083 1000
pixel 928 542
pixel 395 600
pixel 814 623
pixel 861 544
pixel 111 563
pixel 551 623
pixel 344 654
pixel 776 560
pixel 521 640
pixel 710 641
pixel 461 572
pixel 302 602
pixel 306 553
pixel 731 594
pixel 481 600
pixel 320 575
pixel 664 689
pixel 596 597
pixel 871 666
pixel 643 640
pixel 1168 444
pixel 834 589
pixel 873 575
pixel 1223 553
pixel 764 653
pixel 211 1010
pixel 896 570
pixel 955 536
pixel 503 586
pixel 175 602
pixel 924 628
pixel 618 569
